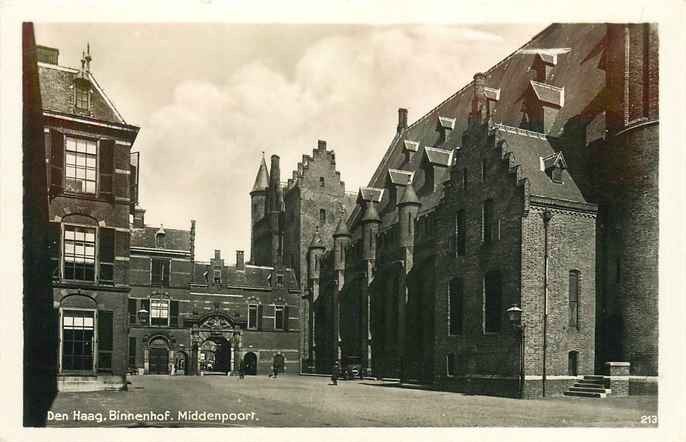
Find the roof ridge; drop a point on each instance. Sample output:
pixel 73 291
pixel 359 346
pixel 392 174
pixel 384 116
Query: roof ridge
pixel 106 97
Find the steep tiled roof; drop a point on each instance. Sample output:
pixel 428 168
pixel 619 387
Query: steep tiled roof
pixel 528 149
pixel 175 239
pixel 578 70
pixel 262 178
pixel 57 94
pixel 256 277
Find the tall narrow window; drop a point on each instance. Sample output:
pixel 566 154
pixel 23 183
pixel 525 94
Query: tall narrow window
pixel 322 217
pixel 252 317
pixel 159 312
pixel 79 253
pixel 455 306
pixel 461 233
pixel 279 317
pixel 78 332
pixel 321 181
pixel 80 165
pixel 132 352
pixel 487 221
pixel 160 273
pixel 450 364
pixel 81 98
pixel 574 299
pixel 132 311
pixel 492 306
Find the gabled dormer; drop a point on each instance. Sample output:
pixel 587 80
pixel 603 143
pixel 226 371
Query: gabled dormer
pixel 436 167
pixel 553 166
pixel 445 127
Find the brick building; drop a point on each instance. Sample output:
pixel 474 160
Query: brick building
pixel 91 192
pixel 535 186
pixel 188 317
pixel 285 217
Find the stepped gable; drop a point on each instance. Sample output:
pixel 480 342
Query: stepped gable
pixel 578 70
pixel 301 171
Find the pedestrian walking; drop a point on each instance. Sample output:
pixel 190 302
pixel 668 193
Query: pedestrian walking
pixel 335 373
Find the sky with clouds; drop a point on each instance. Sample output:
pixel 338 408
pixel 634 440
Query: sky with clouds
pixel 209 98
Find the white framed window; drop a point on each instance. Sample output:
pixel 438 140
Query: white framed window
pixel 252 316
pixel 80 165
pixel 79 253
pixel 78 339
pixel 159 312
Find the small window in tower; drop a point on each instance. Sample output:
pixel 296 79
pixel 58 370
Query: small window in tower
pixel 322 217
pixel 321 181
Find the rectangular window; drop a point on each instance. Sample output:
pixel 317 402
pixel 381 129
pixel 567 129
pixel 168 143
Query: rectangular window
pixel 450 364
pixel 322 217
pixel 279 318
pixel 252 316
pixel 79 253
pixel 78 332
pixel 159 312
pixel 81 98
pixel 217 276
pixel 574 299
pixel 80 165
pixel 132 352
pixel 492 310
pixel 455 306
pixel 132 311
pixel 487 221
pixel 105 340
pixel 160 273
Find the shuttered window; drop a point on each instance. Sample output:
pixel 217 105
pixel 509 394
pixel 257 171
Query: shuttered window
pixel 56 163
pixel 106 255
pixel 105 340
pixel 174 313
pixel 106 171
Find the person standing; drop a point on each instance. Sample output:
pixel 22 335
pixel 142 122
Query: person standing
pixel 335 373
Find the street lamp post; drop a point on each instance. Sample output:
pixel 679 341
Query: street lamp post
pixel 514 314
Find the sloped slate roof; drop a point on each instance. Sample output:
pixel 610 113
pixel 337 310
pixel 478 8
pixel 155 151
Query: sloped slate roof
pixel 256 277
pixel 175 239
pixel 57 94
pixel 528 151
pixel 262 178
pixel 578 71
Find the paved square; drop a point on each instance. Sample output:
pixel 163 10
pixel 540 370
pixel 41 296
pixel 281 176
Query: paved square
pixel 309 401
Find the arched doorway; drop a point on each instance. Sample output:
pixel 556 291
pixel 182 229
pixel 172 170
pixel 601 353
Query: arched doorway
pixel 250 361
pixel 279 363
pixel 158 357
pixel 215 355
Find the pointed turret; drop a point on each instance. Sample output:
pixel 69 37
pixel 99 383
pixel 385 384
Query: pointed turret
pixel 317 242
pixel 341 229
pixel 370 214
pixel 262 178
pixel 409 197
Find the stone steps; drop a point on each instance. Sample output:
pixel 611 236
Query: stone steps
pixel 591 386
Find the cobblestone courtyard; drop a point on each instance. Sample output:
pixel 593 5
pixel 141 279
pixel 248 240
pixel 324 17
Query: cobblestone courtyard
pixel 296 401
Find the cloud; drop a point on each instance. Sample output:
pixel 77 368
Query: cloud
pixel 201 151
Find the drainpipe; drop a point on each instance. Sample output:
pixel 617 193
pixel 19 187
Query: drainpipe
pixel 547 216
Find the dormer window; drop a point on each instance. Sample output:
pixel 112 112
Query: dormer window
pixel 82 99
pixel 553 166
pixel 160 240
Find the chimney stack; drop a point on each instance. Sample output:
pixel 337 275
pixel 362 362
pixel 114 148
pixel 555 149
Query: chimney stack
pixel 138 217
pixel 321 144
pixel 240 261
pixel 217 254
pixel 48 55
pixel 402 119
